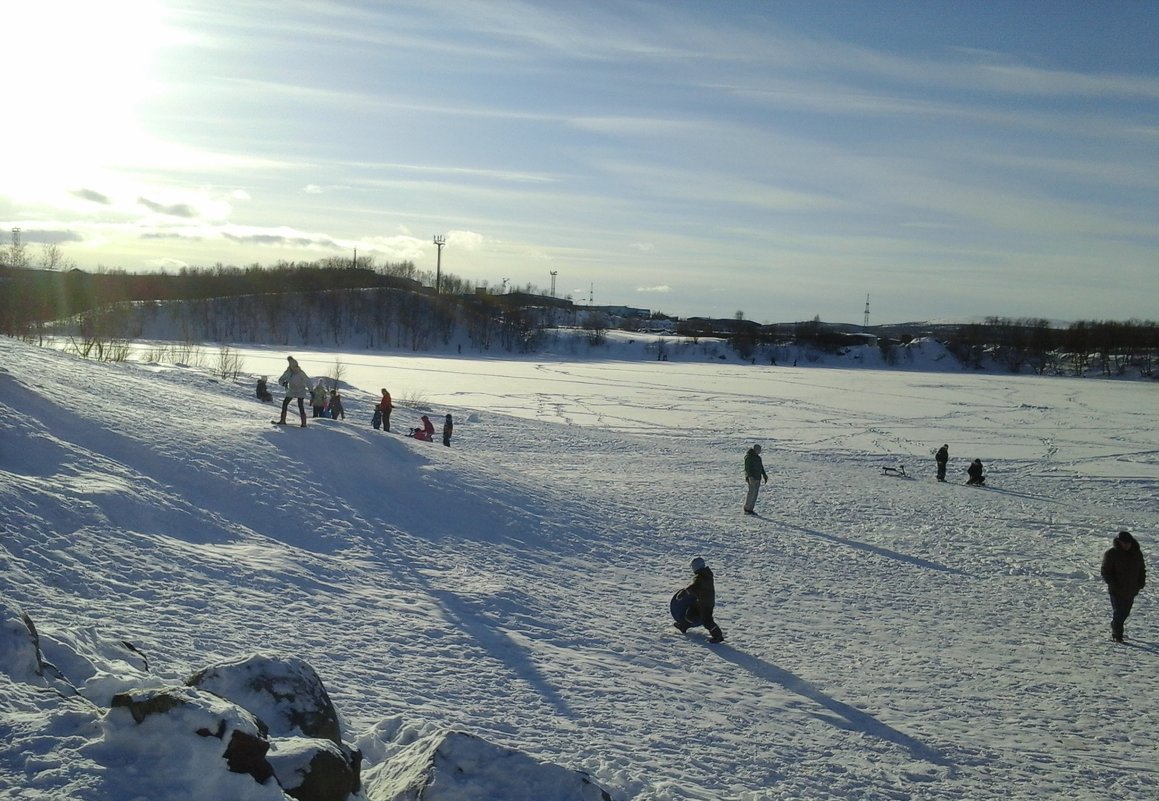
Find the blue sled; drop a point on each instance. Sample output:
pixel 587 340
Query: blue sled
pixel 683 608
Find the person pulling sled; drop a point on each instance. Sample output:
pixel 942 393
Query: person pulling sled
pixel 693 606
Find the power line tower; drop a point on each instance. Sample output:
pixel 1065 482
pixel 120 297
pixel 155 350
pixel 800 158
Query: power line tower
pixel 554 273
pixel 440 240
pixel 866 323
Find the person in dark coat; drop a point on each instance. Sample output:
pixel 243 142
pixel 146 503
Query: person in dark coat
pixel 974 471
pixel 1126 574
pixel 448 429
pixel 754 474
pixel 941 457
pixel 263 390
pixel 703 588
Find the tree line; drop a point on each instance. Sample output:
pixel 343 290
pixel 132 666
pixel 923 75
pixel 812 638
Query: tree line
pixel 359 303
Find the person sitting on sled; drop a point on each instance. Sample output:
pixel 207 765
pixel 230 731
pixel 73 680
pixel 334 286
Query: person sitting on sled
pixel 427 432
pixel 703 589
pixel 975 473
pixel 263 390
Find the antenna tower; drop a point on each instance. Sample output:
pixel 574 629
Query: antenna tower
pixel 554 273
pixel 866 323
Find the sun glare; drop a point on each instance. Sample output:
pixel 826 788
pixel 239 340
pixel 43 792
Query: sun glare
pixel 77 73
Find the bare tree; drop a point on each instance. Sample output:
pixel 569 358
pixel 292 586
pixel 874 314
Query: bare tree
pixel 53 258
pixel 229 363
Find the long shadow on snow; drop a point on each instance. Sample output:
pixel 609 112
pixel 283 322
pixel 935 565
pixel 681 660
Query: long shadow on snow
pixel 852 717
pixel 874 549
pixel 180 482
pixel 499 646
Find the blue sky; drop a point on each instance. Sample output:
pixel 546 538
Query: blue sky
pixel 780 159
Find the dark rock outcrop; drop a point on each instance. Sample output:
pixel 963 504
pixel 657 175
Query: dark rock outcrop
pixel 284 692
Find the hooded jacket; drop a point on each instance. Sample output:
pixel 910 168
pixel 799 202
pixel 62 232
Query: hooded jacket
pixel 754 466
pixel 296 382
pixel 319 395
pixel 1123 568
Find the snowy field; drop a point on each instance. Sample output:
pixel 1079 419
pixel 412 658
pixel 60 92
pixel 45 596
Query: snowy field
pixel 886 637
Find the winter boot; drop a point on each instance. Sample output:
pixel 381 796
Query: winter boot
pixel 717 634
pixel 681 627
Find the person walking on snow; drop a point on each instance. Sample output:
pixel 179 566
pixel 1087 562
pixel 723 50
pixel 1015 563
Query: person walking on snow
pixel 297 385
pixel 1126 574
pixel 703 589
pixel 754 474
pixel 448 429
pixel 941 457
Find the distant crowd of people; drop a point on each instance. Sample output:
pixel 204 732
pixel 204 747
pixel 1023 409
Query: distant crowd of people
pixel 327 403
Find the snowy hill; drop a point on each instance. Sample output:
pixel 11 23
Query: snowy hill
pixel 886 637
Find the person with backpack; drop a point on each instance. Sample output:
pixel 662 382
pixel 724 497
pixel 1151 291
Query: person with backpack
pixel 754 475
pixel 297 385
pixel 1125 573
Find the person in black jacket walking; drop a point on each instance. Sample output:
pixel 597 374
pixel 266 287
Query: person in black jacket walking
pixel 703 588
pixel 1126 574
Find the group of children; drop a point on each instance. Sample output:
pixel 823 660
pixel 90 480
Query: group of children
pixel 328 404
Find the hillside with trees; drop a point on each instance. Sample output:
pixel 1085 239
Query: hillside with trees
pixel 360 305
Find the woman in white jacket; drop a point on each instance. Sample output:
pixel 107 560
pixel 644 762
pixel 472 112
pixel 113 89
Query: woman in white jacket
pixel 297 385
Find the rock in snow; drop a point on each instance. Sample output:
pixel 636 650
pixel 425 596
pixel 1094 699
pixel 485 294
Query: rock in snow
pixel 270 719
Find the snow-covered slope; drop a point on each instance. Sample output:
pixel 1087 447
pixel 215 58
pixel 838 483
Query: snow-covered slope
pixel 886 637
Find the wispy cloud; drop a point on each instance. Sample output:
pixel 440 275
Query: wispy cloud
pixel 172 210
pixel 92 196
